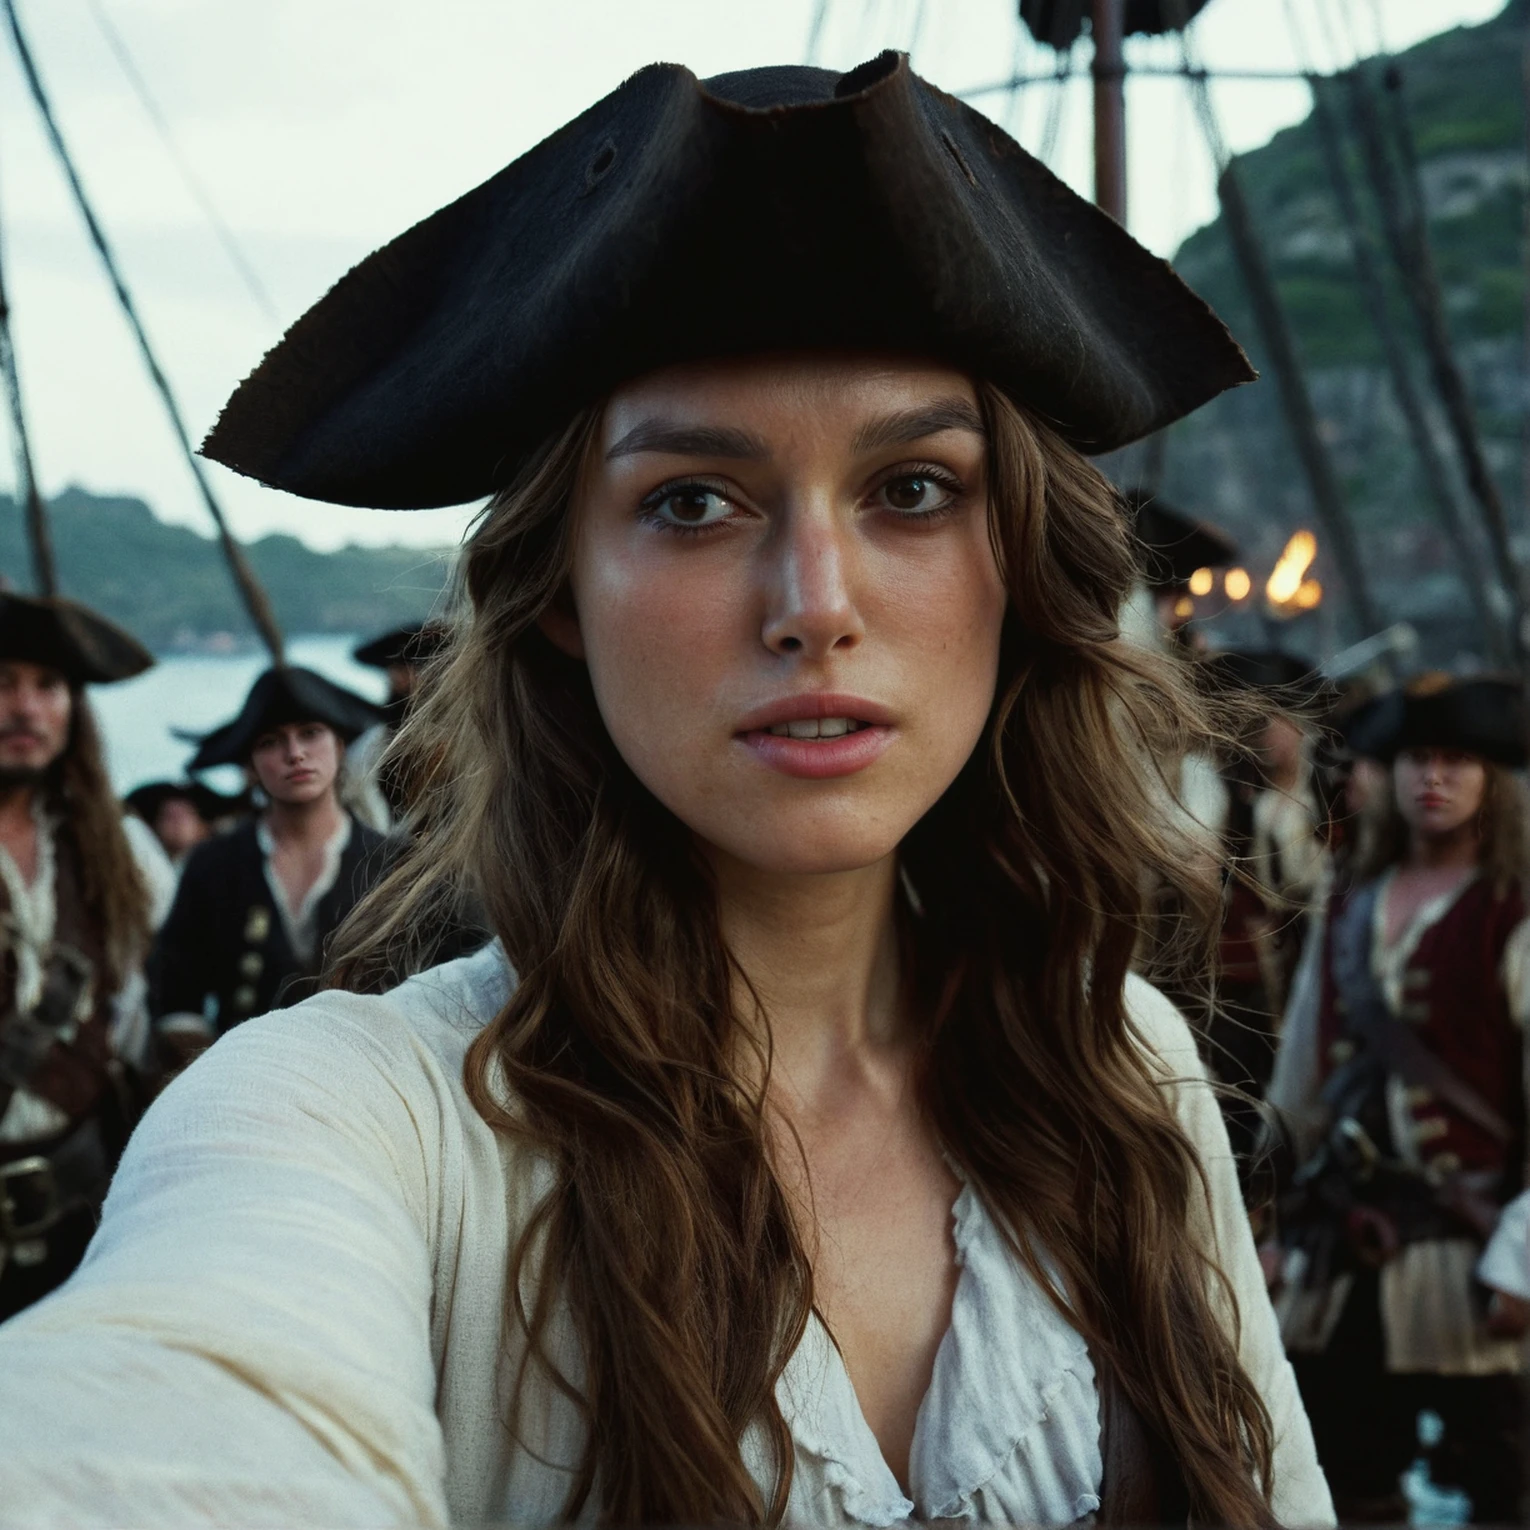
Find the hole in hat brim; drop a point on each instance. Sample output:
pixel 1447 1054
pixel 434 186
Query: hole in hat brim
pixel 601 165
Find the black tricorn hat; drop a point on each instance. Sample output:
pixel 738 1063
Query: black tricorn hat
pixel 148 799
pixel 1483 716
pixel 1289 681
pixel 677 219
pixel 404 645
pixel 285 695
pixel 84 647
pixel 1174 544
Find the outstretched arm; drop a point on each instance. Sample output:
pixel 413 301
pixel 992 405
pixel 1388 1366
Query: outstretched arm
pixel 248 1339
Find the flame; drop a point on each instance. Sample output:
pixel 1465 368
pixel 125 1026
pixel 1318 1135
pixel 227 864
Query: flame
pixel 1237 583
pixel 1200 582
pixel 1284 586
pixel 1309 595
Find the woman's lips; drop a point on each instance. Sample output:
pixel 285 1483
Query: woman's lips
pixel 817 734
pixel 1432 800
pixel 819 759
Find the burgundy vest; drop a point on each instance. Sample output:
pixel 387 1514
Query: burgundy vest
pixel 1453 997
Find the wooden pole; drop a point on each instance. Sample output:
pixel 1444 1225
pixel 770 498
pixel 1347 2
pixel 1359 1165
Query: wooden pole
pixel 248 586
pixel 1474 575
pixel 1402 217
pixel 1109 107
pixel 39 535
pixel 1295 400
pixel 1524 428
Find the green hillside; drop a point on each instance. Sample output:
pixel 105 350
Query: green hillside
pixel 171 587
pixel 1465 103
pixel 1233 461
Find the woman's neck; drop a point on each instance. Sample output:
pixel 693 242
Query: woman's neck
pixel 304 822
pixel 821 953
pixel 1459 850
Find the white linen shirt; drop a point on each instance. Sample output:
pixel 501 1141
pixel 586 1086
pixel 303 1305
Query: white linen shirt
pixel 294 1313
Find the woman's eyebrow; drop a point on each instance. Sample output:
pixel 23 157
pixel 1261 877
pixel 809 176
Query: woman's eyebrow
pixel 676 440
pixel 914 424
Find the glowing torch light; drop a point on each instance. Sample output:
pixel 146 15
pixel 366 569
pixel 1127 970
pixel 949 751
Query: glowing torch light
pixel 1288 589
pixel 1237 584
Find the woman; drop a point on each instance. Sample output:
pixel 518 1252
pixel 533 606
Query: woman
pixel 821 1161
pixel 1402 1071
pixel 256 906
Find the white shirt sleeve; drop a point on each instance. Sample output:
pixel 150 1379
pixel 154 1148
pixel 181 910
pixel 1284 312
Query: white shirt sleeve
pixel 1505 1263
pixel 1515 971
pixel 153 866
pixel 1296 1081
pixel 248 1339
pixel 1299 1492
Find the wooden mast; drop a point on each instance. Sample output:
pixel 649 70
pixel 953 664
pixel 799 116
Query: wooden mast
pixel 1107 27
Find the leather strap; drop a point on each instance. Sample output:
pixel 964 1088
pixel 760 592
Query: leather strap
pixel 1397 1045
pixel 1141 1483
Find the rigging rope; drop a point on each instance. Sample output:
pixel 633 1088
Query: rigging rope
pixel 1296 401
pixel 1050 132
pixel 1475 575
pixel 39 535
pixel 253 596
pixel 193 182
pixel 1403 220
pixel 815 31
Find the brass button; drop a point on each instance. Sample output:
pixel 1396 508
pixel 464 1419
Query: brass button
pixel 257 924
pixel 251 965
pixel 244 997
pixel 1341 1051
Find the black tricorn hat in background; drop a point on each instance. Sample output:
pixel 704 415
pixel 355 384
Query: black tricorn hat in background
pixel 81 645
pixel 404 645
pixel 1484 715
pixel 678 219
pixel 1369 728
pixel 1289 681
pixel 146 800
pixel 1174 545
pixel 285 695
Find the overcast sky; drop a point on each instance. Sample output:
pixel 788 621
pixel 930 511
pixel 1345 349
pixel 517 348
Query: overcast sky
pixel 320 128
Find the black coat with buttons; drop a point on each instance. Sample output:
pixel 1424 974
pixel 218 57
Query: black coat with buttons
pixel 224 940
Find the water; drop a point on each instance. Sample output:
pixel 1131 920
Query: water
pixel 196 692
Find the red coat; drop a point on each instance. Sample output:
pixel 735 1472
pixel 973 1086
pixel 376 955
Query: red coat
pixel 1453 994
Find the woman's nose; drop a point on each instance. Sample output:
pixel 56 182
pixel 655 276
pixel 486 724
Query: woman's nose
pixel 810 607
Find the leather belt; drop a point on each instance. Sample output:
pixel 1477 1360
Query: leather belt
pixel 39 1188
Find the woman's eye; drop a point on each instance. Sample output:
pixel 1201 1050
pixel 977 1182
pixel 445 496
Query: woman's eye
pixel 917 494
pixel 689 506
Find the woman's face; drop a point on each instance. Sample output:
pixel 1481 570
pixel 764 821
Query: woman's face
pixel 297 763
pixel 785 592
pixel 1439 791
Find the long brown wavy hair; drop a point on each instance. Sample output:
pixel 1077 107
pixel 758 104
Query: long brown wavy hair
pixel 667 1233
pixel 116 898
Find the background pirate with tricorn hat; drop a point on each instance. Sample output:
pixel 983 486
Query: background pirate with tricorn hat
pixel 375 792
pixel 181 814
pixel 256 905
pixel 76 912
pixel 1401 1079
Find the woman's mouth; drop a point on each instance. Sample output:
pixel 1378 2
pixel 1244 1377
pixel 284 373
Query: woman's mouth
pixel 817 736
pixel 817 727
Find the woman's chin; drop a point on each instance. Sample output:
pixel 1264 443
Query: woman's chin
pixel 800 851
